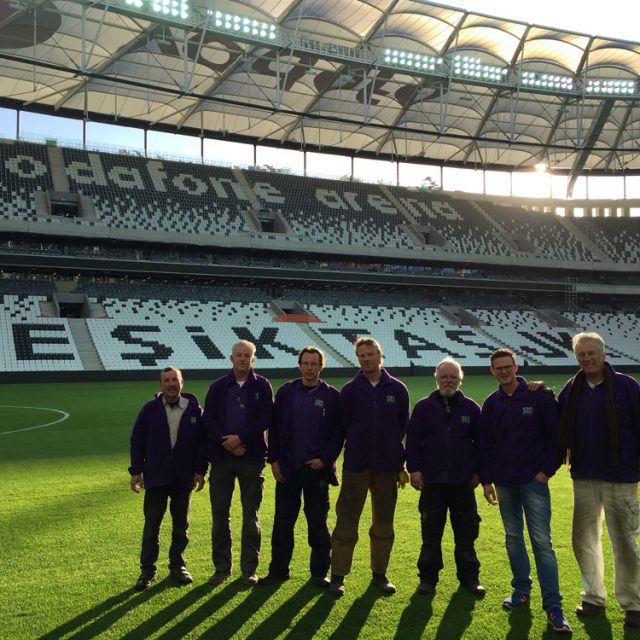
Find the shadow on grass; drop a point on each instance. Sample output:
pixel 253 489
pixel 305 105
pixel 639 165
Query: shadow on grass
pixel 356 618
pixel 599 628
pixel 457 615
pixel 414 618
pixel 280 620
pixel 98 619
pixel 520 621
pixel 225 627
pixel 165 616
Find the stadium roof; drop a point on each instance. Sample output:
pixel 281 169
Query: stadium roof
pixel 377 78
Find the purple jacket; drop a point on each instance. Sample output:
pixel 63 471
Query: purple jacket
pixel 151 452
pixel 259 411
pixel 518 435
pixel 374 422
pixel 444 447
pixel 322 417
pixel 591 439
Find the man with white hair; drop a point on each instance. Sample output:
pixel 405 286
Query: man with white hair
pixel 237 412
pixel 442 458
pixel 600 438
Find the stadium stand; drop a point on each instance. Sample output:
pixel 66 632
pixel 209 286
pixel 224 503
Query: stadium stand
pixel 24 170
pixel 142 330
pixel 618 237
pixel 546 233
pixel 464 228
pixel 31 342
pixel 331 211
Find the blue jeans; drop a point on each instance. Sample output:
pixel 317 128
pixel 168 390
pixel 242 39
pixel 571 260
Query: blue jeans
pixel 533 500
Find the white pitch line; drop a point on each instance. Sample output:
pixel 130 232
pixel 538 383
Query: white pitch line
pixel 65 415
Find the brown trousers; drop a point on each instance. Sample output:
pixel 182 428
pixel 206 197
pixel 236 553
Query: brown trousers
pixel 353 493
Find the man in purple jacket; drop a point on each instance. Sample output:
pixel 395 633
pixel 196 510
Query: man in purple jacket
pixel 374 409
pixel 518 442
pixel 167 459
pixel 600 430
pixel 304 442
pixel 237 412
pixel 442 458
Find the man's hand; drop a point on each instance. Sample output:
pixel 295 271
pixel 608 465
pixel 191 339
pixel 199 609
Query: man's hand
pixel 239 451
pixel 542 477
pixel 475 481
pixel 277 472
pixel 230 442
pixel 490 494
pixel 534 385
pixel 316 464
pixel 136 483
pixel 198 481
pixel 417 481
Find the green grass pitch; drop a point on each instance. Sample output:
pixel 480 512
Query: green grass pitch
pixel 71 528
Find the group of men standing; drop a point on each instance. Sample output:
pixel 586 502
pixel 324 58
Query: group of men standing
pixel 512 446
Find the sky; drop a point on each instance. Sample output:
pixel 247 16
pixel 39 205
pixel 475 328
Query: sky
pixel 613 18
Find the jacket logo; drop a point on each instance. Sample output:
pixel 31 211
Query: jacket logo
pixel 465 419
pixel 257 395
pixel 391 399
pixel 194 420
pixel 527 411
pixel 318 403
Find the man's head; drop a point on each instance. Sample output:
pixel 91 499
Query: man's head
pixel 369 354
pixel 310 362
pixel 243 353
pixel 448 375
pixel 503 366
pixel 171 383
pixel 588 348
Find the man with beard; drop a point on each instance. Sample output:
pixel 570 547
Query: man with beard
pixel 442 458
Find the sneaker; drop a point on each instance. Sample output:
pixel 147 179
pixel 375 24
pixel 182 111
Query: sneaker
pixel 632 619
pixel 588 609
pixel 557 621
pixel 218 577
pixel 271 579
pixel 321 581
pixel 382 582
pixel 336 586
pixel 249 578
pixel 426 588
pixel 515 600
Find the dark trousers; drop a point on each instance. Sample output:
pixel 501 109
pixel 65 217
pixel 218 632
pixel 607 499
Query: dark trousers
pixel 221 485
pixel 460 501
pixel 155 506
pixel 313 486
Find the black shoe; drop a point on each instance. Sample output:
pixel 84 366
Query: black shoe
pixel 249 578
pixel 426 588
pixel 588 609
pixel 181 575
pixel 271 579
pixel 632 619
pixel 336 586
pixel 382 582
pixel 218 577
pixel 475 589
pixel 144 581
pixel 321 581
